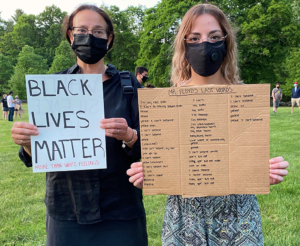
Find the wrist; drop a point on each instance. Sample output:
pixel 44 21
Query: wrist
pixel 129 135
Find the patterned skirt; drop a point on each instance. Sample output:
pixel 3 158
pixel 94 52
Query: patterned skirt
pixel 214 221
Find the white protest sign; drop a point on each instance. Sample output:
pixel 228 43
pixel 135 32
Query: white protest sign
pixel 67 110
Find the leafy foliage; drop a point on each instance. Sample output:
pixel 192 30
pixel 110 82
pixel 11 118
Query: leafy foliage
pixel 6 70
pixel 64 58
pixel 126 45
pixel 267 34
pixel 28 63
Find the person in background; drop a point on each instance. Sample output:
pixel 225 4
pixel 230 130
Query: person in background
pixel 95 207
pixel 4 106
pixel 295 97
pixel 148 85
pixel 18 106
pixel 141 73
pixel 213 220
pixel 277 96
pixel 11 106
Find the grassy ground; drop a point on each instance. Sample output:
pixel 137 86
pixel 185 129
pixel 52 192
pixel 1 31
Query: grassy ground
pixel 22 210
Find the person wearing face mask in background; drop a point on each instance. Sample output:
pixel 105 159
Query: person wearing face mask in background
pixel 95 207
pixel 141 73
pixel 206 53
pixel 277 96
pixel 4 106
pixel 295 97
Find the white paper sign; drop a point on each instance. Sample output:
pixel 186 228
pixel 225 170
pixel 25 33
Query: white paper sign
pixel 67 110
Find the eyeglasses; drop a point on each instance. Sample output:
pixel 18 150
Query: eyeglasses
pixel 98 33
pixel 212 39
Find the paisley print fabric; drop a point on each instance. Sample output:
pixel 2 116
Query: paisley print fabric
pixel 214 221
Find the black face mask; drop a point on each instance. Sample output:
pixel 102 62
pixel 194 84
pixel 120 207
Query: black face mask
pixel 205 58
pixel 144 79
pixel 88 48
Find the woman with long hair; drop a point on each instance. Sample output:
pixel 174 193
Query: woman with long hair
pixel 95 207
pixel 218 220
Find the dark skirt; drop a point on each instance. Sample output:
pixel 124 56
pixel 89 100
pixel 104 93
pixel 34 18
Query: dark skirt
pixel 106 233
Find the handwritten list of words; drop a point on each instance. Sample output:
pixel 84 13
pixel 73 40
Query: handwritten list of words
pixel 205 141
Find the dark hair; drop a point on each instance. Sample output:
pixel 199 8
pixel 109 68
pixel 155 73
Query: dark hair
pixel 140 70
pixel 68 21
pixel 11 92
pixel 278 83
pixel 148 85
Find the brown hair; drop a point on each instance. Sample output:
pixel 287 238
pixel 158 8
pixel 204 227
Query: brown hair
pixel 68 21
pixel 148 85
pixel 181 69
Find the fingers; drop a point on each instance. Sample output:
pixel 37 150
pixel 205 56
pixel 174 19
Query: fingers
pixel 22 131
pixel 279 165
pixel 139 183
pixel 277 178
pixel 136 164
pixel 118 130
pixel 276 159
pixel 133 171
pixel 113 120
pixel 135 168
pixel 113 126
pixel 280 172
pixel 135 177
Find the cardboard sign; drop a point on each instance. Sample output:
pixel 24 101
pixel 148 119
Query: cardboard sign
pixel 67 110
pixel 205 141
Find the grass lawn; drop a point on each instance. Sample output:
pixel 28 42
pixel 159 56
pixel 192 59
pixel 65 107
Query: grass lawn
pixel 22 209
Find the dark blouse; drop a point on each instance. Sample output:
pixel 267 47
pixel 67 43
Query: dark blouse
pixel 4 101
pixel 92 196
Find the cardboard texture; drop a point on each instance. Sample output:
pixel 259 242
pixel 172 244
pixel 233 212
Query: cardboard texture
pixel 205 140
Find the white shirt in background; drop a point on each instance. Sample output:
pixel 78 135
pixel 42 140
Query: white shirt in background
pixel 10 100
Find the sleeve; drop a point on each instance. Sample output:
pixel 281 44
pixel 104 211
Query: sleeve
pixel 135 151
pixel 25 157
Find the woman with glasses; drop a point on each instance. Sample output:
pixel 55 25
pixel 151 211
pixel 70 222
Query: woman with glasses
pixel 206 53
pixel 95 207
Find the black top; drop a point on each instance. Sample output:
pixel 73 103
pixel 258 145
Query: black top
pixel 4 101
pixel 91 196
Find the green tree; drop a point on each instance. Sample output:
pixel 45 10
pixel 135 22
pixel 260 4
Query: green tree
pixel 64 58
pixel 6 70
pixel 126 45
pixel 18 13
pixel 49 24
pixel 24 33
pixel 159 28
pixel 292 67
pixel 267 36
pixel 28 63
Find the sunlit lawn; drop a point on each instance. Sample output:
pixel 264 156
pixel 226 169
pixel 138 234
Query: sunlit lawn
pixel 22 209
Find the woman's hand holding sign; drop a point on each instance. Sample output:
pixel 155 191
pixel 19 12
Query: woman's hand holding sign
pixel 277 171
pixel 136 174
pixel 21 134
pixel 119 129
